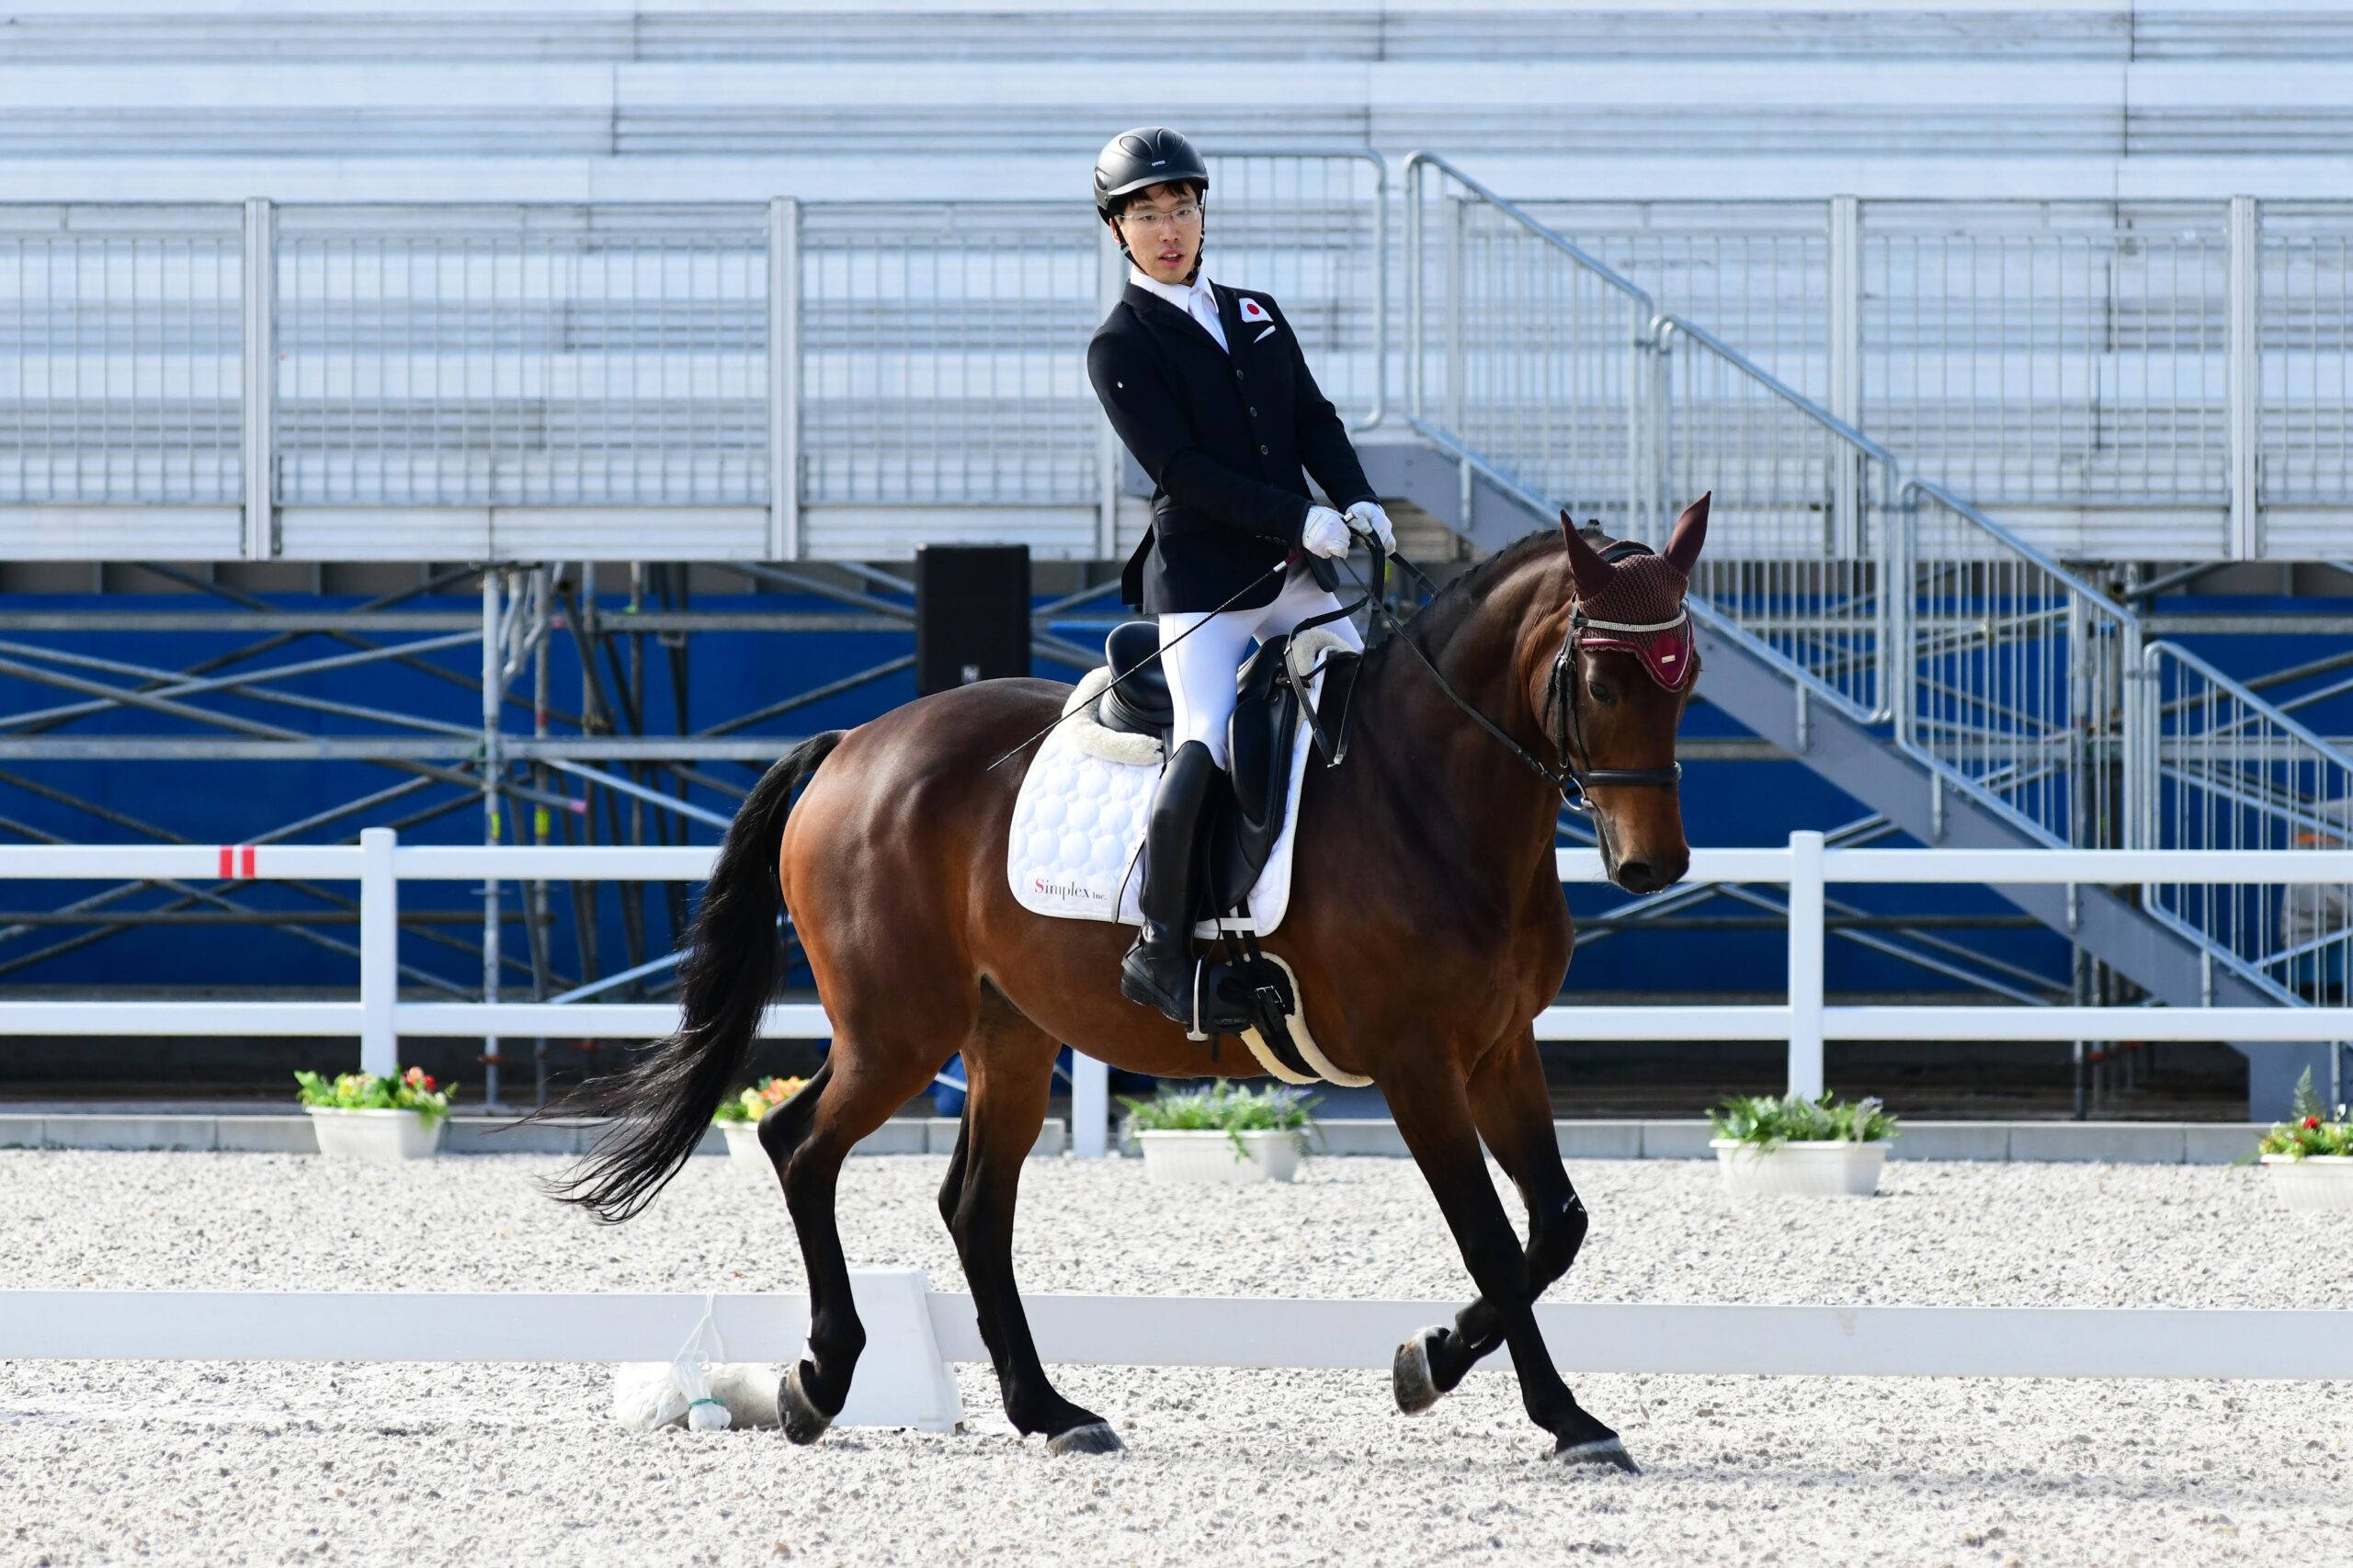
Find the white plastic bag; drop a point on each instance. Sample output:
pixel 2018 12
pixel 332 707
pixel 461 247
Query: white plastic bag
pixel 703 1395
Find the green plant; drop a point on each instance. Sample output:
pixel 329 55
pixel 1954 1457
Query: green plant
pixel 755 1102
pixel 2308 1130
pixel 1768 1123
pixel 412 1090
pixel 1223 1106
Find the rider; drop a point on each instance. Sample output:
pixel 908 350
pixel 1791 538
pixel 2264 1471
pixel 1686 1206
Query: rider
pixel 1206 385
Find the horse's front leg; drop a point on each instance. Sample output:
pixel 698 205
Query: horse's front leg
pixel 1513 1111
pixel 1433 1111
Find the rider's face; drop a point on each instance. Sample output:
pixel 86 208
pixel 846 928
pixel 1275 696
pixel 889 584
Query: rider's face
pixel 1161 227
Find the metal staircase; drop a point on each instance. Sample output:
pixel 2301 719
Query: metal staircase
pixel 1877 628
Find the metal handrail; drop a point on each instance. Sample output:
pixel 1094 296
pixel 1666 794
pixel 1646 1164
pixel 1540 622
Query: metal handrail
pixel 1649 335
pixel 2060 733
pixel 1889 622
pixel 2270 712
pixel 1665 325
pixel 1414 165
pixel 1882 616
pixel 2253 968
pixel 1706 613
pixel 2094 597
pixel 1415 162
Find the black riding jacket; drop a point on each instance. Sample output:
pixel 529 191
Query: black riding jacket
pixel 1223 436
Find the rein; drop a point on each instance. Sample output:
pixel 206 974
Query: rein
pixel 1560 690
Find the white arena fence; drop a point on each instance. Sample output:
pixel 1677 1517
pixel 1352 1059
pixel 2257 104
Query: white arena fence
pixel 1805 1022
pixel 379 1018
pixel 916 1333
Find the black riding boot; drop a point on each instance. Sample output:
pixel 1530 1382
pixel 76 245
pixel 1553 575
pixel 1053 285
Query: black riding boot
pixel 1158 969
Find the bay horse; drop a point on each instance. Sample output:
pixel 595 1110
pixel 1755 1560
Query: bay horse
pixel 1426 932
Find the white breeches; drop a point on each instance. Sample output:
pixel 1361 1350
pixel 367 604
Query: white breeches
pixel 1201 668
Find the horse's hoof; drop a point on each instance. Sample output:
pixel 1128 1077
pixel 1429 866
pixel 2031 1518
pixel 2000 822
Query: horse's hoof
pixel 1094 1438
pixel 1600 1450
pixel 803 1422
pixel 1409 1376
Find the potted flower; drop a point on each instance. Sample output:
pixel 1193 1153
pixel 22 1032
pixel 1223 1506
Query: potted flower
pixel 1816 1148
pixel 2310 1155
pixel 738 1120
pixel 358 1116
pixel 1223 1134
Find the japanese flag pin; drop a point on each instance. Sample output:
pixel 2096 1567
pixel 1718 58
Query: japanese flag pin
pixel 1253 310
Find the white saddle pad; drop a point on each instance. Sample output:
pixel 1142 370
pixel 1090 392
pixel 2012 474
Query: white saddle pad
pixel 1078 821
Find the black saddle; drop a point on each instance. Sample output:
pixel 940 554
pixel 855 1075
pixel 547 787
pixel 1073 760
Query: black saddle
pixel 1247 817
pixel 1244 818
pixel 1138 698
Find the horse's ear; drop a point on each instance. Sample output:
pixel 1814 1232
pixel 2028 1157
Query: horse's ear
pixel 1690 533
pixel 1586 569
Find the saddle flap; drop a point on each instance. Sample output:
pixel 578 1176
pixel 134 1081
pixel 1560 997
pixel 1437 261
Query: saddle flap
pixel 1259 751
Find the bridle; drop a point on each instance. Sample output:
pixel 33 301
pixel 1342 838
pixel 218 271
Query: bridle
pixel 1566 733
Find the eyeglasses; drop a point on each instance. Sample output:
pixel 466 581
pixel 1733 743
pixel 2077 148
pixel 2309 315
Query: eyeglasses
pixel 1148 218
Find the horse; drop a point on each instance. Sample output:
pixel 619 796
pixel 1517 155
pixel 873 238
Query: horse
pixel 1426 932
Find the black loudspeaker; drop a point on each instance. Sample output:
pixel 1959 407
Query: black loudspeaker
pixel 972 614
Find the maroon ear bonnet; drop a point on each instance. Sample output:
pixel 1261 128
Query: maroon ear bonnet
pixel 1630 600
pixel 1640 611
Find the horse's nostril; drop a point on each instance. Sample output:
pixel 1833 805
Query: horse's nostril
pixel 1636 876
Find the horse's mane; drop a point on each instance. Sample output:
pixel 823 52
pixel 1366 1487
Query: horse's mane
pixel 1437 621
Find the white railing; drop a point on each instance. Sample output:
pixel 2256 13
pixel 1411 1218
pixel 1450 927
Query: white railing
pixel 518 381
pixel 379 1017
pixel 2105 374
pixel 2140 379
pixel 916 1334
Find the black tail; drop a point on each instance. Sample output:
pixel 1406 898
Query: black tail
pixel 726 976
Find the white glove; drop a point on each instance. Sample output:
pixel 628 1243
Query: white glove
pixel 1325 533
pixel 1369 516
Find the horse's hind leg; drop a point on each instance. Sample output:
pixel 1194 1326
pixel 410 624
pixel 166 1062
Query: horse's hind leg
pixel 1433 1112
pixel 1009 1068
pixel 1513 1111
pixel 807 1138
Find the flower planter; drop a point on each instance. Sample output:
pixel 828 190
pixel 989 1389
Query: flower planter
pixel 1801 1169
pixel 379 1137
pixel 744 1151
pixel 2313 1184
pixel 1209 1159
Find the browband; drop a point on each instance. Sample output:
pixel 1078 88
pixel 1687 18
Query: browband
pixel 1664 646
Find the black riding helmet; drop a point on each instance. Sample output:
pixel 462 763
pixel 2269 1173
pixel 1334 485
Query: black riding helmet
pixel 1148 156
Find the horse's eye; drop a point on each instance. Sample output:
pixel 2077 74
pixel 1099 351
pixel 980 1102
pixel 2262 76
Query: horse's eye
pixel 1603 693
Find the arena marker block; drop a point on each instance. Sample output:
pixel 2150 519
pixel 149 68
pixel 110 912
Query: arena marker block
pixel 903 1380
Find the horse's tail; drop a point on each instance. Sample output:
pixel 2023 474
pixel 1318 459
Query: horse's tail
pixel 726 976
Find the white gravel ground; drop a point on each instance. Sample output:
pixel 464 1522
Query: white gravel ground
pixel 203 1462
